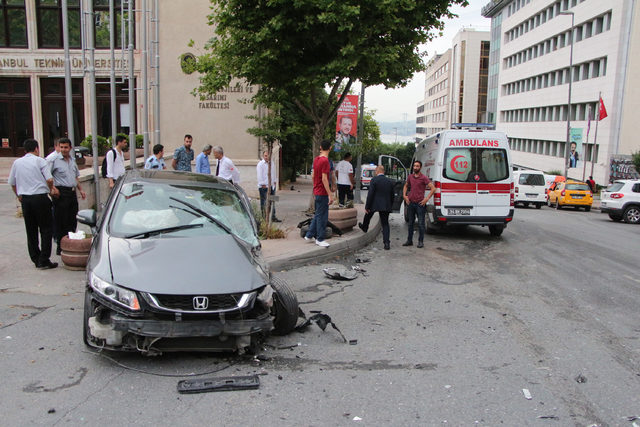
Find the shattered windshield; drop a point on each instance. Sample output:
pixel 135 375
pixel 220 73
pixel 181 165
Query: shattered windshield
pixel 150 210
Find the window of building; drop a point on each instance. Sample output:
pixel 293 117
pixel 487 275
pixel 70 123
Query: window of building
pixel 13 23
pixel 49 21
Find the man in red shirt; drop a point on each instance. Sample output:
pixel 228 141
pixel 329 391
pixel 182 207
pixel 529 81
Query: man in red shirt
pixel 416 201
pixel 322 194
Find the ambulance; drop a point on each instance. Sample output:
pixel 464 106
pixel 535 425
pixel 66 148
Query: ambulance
pixel 470 166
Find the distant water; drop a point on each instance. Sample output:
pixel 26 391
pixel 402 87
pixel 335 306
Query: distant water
pixel 391 138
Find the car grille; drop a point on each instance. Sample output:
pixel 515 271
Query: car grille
pixel 216 302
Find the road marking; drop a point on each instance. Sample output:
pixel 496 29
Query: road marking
pixel 631 278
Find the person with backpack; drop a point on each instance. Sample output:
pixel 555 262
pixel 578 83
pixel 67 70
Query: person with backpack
pixel 114 161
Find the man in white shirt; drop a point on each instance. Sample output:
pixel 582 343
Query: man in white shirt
pixel 115 164
pixel 31 180
pixel 225 169
pixel 344 170
pixel 262 171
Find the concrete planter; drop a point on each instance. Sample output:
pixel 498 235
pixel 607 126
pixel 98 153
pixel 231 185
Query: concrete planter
pixel 75 252
pixel 344 219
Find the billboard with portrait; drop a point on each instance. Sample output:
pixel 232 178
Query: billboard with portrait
pixel 347 122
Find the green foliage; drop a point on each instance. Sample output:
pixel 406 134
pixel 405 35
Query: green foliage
pixel 104 144
pixel 291 49
pixel 635 158
pixel 554 172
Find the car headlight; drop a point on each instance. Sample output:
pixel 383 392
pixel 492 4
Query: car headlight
pixel 120 296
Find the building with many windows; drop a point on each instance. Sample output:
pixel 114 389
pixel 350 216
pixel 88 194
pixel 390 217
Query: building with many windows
pixel 32 85
pixel 533 65
pixel 456 84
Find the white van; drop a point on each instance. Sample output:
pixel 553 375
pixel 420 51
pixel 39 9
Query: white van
pixel 470 167
pixel 530 188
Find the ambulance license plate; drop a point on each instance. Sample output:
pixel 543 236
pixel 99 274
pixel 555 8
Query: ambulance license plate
pixel 531 194
pixel 460 211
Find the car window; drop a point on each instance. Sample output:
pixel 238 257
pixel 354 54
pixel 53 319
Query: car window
pixel 636 188
pixel 476 164
pixel 577 187
pixel 531 179
pixel 144 206
pixel 368 173
pixel 616 186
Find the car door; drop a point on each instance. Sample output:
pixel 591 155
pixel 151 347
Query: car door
pixel 397 172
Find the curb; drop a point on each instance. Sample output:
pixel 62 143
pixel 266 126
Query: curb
pixel 317 254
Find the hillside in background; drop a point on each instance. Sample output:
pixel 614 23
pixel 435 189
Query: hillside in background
pixel 407 128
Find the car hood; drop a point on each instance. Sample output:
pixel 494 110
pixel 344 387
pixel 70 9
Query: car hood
pixel 168 265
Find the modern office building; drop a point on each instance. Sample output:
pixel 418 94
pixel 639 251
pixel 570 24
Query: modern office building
pixel 541 64
pixel 456 84
pixel 32 85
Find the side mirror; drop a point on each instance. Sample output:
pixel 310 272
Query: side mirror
pixel 87 217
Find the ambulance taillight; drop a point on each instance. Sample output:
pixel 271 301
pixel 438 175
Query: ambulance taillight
pixel 511 201
pixel 436 196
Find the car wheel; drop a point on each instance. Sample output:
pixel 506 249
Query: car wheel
pixel 587 208
pixel 525 204
pixel 615 217
pixel 285 307
pixel 538 205
pixel 496 230
pixel 632 215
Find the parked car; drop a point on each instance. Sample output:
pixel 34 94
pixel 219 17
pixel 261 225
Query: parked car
pixel 175 265
pixel 529 186
pixel 621 201
pixel 570 193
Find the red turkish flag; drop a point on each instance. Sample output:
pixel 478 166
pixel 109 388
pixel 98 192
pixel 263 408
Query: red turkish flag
pixel 603 111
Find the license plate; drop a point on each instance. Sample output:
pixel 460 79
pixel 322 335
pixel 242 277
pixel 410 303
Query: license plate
pixel 460 211
pixel 577 196
pixel 531 194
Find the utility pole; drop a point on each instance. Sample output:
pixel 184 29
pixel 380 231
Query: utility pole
pixel 132 92
pixel 356 193
pixel 93 105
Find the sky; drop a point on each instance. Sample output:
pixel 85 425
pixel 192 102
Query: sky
pixel 392 104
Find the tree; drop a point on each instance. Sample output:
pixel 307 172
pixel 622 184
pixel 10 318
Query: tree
pixel 292 49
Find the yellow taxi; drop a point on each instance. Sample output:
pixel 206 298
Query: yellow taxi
pixel 570 193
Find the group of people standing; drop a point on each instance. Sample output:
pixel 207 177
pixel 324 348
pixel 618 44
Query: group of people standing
pixel 48 193
pixel 416 192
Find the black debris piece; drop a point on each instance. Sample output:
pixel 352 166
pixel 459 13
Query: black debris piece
pixel 362 260
pixel 340 273
pixel 51 411
pixel 581 379
pixel 320 319
pixel 353 342
pixel 203 385
pixel 548 417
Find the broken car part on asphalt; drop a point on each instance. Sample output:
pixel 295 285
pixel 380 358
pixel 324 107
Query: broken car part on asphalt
pixel 203 385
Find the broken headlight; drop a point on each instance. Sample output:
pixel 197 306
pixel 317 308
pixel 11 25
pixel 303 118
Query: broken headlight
pixel 120 296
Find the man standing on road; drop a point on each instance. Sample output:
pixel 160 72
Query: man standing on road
pixel 183 156
pixel 322 195
pixel 416 200
pixel 345 180
pixel 262 171
pixel 31 180
pixel 202 161
pixel 65 179
pixel 225 168
pixel 115 161
pixel 156 160
pixel 379 199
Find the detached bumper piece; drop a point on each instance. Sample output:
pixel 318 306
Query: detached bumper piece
pixel 204 385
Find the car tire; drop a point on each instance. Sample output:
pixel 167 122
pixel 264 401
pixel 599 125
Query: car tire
pixel 525 204
pixel 328 232
pixel 587 208
pixel 615 217
pixel 285 307
pixel 496 230
pixel 632 215
pixel 538 205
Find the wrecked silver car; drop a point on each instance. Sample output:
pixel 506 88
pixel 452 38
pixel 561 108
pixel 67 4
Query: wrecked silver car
pixel 175 265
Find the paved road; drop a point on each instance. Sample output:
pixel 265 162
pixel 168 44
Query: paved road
pixel 450 334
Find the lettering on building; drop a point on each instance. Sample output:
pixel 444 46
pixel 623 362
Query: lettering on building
pixel 58 63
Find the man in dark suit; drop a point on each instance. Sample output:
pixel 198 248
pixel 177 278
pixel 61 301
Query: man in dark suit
pixel 379 199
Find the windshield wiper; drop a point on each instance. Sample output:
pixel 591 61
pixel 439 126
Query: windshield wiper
pixel 162 231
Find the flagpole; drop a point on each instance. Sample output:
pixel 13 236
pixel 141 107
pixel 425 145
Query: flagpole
pixel 595 135
pixel 584 160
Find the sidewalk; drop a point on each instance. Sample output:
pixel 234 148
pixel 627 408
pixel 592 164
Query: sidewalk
pixel 294 251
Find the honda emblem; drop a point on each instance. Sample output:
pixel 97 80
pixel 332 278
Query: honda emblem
pixel 200 303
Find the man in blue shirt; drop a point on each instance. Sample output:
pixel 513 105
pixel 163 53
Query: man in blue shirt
pixel 202 161
pixel 183 156
pixel 156 161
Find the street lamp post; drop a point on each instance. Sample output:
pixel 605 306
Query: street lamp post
pixel 568 143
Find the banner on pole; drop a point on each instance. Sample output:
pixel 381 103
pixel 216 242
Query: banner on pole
pixel 602 112
pixel 346 122
pixel 575 145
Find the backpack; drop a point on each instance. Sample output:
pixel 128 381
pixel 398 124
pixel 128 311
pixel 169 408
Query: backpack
pixel 103 169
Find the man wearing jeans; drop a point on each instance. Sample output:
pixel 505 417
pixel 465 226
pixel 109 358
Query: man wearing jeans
pixel 322 195
pixel 416 201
